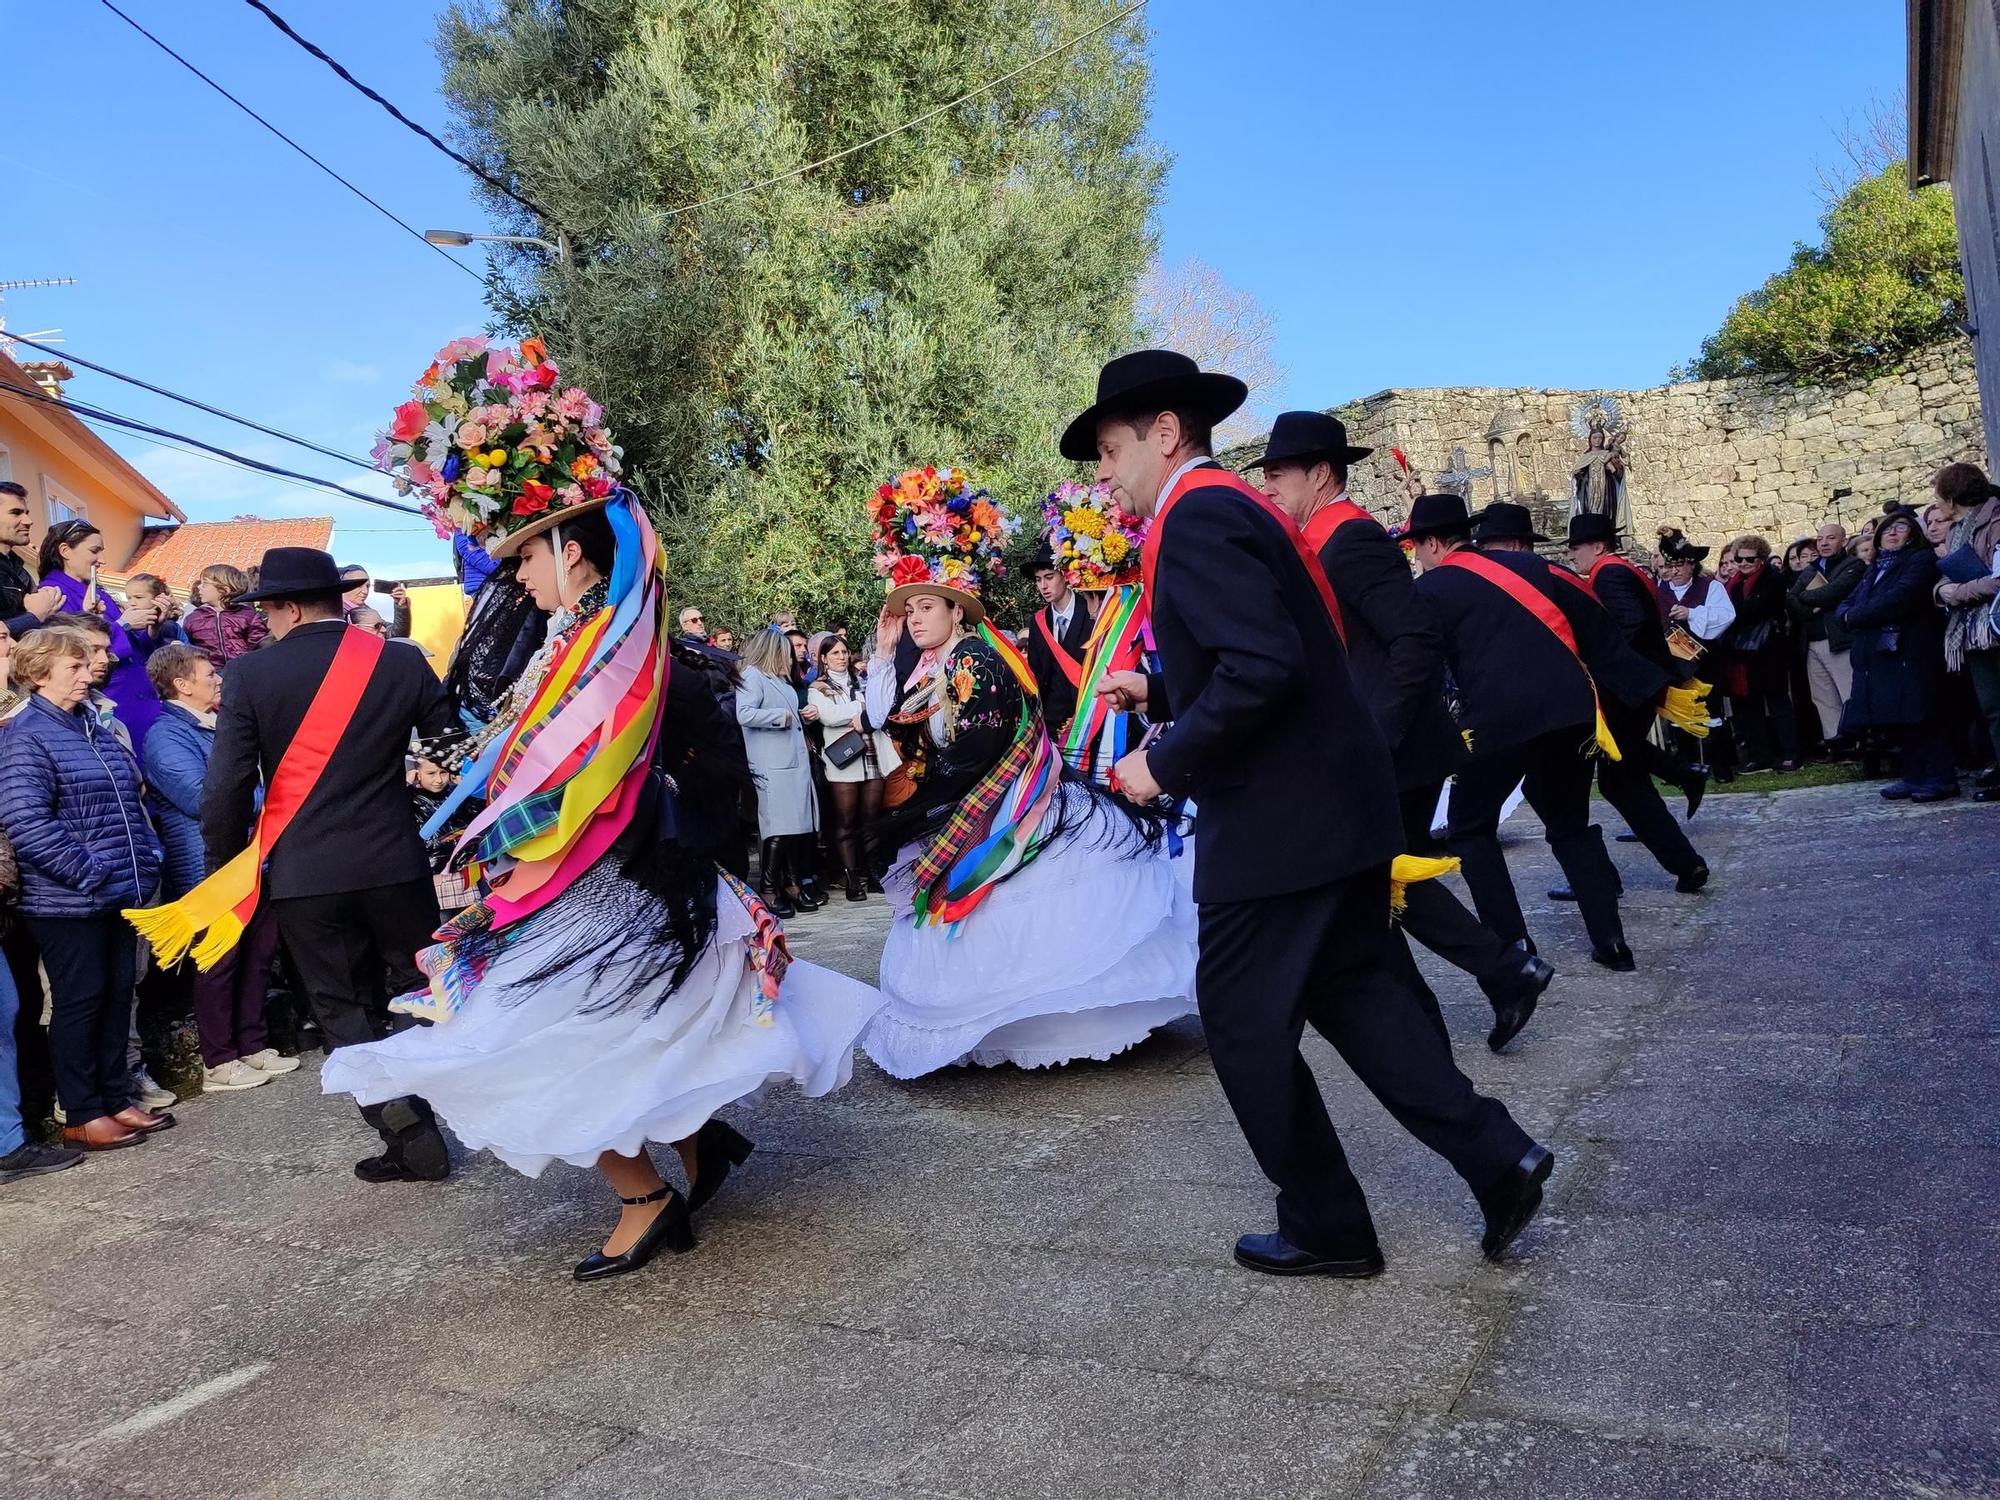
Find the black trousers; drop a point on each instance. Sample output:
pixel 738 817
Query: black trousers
pixel 355 951
pixel 1554 771
pixel 31 1038
pixel 1435 917
pixel 92 962
pixel 1628 786
pixel 1269 967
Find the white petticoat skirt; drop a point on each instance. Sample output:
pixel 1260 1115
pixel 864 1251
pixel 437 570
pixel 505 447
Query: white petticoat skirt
pixel 1079 955
pixel 522 1071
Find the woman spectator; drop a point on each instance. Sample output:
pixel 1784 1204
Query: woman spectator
pixel 767 706
pixel 229 998
pixel 1968 589
pixel 1799 559
pixel 1759 665
pixel 70 556
pixel 219 625
pixel 69 802
pixel 858 758
pixel 1899 658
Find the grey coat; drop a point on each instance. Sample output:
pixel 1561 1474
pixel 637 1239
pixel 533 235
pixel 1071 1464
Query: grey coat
pixel 768 710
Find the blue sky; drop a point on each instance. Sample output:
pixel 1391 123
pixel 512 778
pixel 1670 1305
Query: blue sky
pixel 1444 192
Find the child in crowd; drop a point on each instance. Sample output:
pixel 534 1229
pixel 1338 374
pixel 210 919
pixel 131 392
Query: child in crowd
pixel 151 589
pixel 221 627
pixel 429 785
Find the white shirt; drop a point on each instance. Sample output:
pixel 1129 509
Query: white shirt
pixel 1059 618
pixel 1710 618
pixel 1175 478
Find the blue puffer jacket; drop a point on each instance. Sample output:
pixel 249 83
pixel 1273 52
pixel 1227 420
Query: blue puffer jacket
pixel 69 801
pixel 175 760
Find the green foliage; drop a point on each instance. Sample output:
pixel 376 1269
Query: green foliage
pixel 945 296
pixel 1884 280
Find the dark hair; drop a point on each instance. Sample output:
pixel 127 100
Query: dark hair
pixel 1963 485
pixel 62 534
pixel 9 487
pixel 853 677
pixel 593 536
pixel 1196 430
pixel 320 605
pixel 78 620
pixel 1339 470
pixel 152 580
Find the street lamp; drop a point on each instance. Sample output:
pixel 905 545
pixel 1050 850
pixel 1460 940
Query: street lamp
pixel 456 239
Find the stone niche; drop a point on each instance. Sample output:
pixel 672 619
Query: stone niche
pixel 1716 457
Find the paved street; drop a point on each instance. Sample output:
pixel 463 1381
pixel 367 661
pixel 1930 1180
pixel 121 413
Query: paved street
pixel 1770 1266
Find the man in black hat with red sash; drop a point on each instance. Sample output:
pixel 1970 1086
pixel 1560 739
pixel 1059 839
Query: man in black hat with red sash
pixel 1528 705
pixel 1057 635
pixel 1297 829
pixel 1396 654
pixel 348 880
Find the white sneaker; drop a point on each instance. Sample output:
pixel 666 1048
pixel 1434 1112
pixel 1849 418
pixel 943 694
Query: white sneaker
pixel 271 1060
pixel 151 1095
pixel 231 1076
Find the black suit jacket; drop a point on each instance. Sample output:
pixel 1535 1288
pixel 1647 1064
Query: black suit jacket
pixel 1057 695
pixel 1622 674
pixel 1270 735
pixel 356 829
pixel 1395 651
pixel 1634 608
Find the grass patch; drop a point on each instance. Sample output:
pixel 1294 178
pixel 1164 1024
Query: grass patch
pixel 1811 774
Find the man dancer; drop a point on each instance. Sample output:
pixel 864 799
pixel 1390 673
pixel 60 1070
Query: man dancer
pixel 348 881
pixel 1396 656
pixel 1298 827
pixel 1056 638
pixel 1629 598
pixel 1529 708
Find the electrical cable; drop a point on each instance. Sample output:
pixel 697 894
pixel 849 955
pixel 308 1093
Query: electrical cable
pixel 464 161
pixel 984 88
pixel 385 213
pixel 132 424
pixel 213 411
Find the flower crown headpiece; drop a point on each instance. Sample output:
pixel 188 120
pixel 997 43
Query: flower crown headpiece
pixel 496 444
pixel 933 525
pixel 1093 542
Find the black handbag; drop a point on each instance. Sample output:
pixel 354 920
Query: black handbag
pixel 846 750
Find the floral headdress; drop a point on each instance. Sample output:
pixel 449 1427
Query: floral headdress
pixel 1093 542
pixel 933 527
pixel 497 446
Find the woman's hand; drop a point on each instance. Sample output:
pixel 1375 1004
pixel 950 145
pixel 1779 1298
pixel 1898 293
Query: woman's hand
pixel 809 714
pixel 888 633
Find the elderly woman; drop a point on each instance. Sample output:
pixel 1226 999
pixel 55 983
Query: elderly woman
pixel 71 552
pixel 857 758
pixel 1899 659
pixel 69 802
pixel 767 707
pixel 1968 589
pixel 228 998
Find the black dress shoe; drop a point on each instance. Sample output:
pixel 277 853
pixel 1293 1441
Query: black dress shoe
pixel 1693 881
pixel 1628 837
pixel 1510 1016
pixel 1561 893
pixel 776 903
pixel 1510 1205
pixel 387 1168
pixel 1986 794
pixel 717 1148
pixel 1619 959
pixel 670 1229
pixel 805 899
pixel 1696 787
pixel 1275 1256
pixel 874 884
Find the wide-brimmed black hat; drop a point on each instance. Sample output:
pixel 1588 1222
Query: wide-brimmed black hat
pixel 1431 514
pixel 1308 437
pixel 1675 547
pixel 1504 521
pixel 1151 380
pixel 1044 557
pixel 1590 526
pixel 288 572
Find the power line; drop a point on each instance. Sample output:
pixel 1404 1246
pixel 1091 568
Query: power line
pixel 984 88
pixel 132 424
pixel 213 411
pixel 413 232
pixel 466 162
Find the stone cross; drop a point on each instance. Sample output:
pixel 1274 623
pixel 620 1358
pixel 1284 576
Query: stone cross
pixel 1458 478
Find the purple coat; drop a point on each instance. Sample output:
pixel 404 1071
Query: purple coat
pixel 224 634
pixel 130 688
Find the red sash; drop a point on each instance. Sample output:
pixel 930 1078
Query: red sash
pixel 331 711
pixel 1071 667
pixel 1223 479
pixel 1541 606
pixel 1645 580
pixel 1324 522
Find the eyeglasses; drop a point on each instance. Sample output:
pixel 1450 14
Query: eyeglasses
pixel 1746 557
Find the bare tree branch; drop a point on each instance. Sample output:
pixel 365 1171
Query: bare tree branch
pixel 1188 307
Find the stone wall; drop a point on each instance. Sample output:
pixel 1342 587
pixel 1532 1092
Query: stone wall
pixel 1715 457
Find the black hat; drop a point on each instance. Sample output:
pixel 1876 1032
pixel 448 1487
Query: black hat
pixel 1590 526
pixel 1432 514
pixel 1309 437
pixel 1675 547
pixel 1503 521
pixel 1044 558
pixel 288 572
pixel 1151 379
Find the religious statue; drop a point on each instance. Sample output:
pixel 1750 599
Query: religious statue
pixel 1597 481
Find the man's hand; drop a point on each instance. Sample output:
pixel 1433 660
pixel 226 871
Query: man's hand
pixel 1133 777
pixel 1678 614
pixel 42 602
pixel 1125 691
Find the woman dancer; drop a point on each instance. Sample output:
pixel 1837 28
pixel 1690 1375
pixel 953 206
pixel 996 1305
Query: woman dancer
pixel 1038 920
pixel 612 988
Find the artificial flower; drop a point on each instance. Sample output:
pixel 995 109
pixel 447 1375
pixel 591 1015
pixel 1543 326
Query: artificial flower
pixel 410 420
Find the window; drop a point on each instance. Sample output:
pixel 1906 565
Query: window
pixel 60 506
pixel 6 464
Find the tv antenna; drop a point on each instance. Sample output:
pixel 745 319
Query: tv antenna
pixel 46 335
